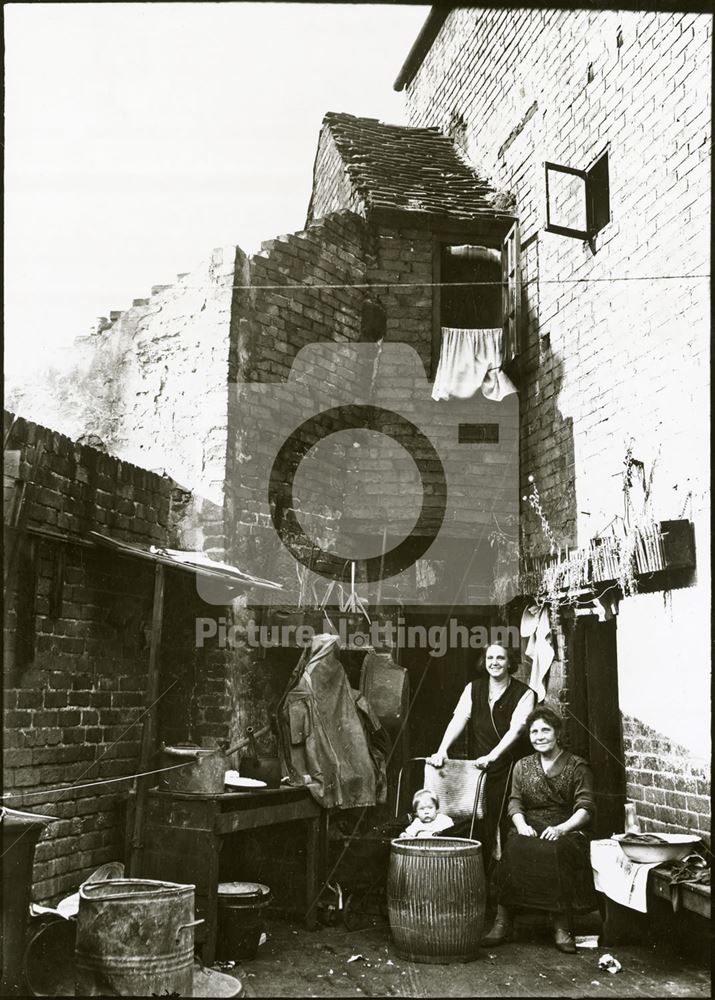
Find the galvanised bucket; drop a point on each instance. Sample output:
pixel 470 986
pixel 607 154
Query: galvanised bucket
pixel 135 937
pixel 436 895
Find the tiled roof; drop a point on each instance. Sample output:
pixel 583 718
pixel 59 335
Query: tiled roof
pixel 411 169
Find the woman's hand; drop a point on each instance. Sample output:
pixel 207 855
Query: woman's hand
pixel 552 833
pixel 437 759
pixel 483 762
pixel 524 830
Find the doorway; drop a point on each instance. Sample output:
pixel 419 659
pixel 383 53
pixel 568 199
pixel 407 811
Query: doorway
pixel 594 725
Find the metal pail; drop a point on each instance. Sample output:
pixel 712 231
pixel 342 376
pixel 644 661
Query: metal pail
pixel 135 937
pixel 436 895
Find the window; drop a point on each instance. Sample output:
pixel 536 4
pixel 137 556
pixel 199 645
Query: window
pixel 477 285
pixel 577 201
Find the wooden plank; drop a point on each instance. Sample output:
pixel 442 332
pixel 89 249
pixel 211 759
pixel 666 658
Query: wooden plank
pixel 251 819
pixel 695 897
pixel 313 880
pixel 149 727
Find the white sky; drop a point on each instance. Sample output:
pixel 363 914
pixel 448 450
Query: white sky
pixel 140 136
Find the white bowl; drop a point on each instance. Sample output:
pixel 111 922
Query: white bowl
pixel 674 847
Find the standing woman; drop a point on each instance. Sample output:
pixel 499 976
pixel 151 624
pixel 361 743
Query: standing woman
pixel 496 707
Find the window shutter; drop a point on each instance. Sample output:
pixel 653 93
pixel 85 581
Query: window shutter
pixel 566 201
pixel 511 293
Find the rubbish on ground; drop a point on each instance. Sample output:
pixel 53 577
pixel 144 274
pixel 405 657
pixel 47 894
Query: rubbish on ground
pixel 587 941
pixel 356 958
pixel 610 963
pixel 595 982
pixel 262 939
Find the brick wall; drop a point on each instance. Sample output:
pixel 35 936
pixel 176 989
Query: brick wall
pixel 376 483
pixel 670 790
pixel 77 622
pixel 616 339
pixel 150 382
pixel 332 190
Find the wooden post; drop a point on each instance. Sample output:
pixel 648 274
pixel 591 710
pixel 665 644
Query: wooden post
pixel 149 728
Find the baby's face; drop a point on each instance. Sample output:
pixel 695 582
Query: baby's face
pixel 426 810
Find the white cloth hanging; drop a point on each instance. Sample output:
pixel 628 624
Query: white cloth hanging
pixel 535 627
pixel 470 360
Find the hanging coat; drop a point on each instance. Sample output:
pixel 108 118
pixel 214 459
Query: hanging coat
pixel 328 734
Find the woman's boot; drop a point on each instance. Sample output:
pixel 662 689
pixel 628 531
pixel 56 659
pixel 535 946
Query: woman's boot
pixel 563 938
pixel 501 928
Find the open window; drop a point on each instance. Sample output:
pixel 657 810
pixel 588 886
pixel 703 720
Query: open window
pixel 577 201
pixel 477 286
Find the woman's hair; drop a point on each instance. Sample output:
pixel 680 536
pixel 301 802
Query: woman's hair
pixel 545 714
pixel 425 793
pixel 512 661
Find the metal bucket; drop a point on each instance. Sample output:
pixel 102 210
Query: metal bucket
pixel 241 919
pixel 436 895
pixel 135 937
pixel 48 962
pixel 204 771
pixel 20 832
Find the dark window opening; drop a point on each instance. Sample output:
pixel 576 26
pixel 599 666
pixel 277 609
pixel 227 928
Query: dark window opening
pixel 577 201
pixel 477 286
pixel 599 208
pixel 471 292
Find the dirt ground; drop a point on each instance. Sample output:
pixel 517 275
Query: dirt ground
pixel 295 962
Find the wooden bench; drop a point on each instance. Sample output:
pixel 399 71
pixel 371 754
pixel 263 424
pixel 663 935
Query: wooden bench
pixel 693 895
pixel 684 928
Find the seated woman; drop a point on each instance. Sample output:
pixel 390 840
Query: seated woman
pixel 546 864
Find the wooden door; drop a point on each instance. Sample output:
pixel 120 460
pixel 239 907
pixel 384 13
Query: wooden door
pixel 595 727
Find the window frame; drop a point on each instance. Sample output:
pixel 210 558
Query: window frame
pixel 493 235
pixel 592 228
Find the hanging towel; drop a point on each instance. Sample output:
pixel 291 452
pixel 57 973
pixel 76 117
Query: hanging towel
pixel 539 648
pixel 470 360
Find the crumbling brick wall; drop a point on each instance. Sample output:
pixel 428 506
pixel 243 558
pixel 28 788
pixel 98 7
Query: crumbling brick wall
pixel 616 333
pixel 77 626
pixel 332 189
pixel 150 382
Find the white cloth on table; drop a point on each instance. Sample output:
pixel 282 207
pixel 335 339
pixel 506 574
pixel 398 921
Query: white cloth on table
pixel 470 360
pixel 616 876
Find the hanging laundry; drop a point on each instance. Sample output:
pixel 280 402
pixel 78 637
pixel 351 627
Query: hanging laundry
pixel 471 360
pixel 535 627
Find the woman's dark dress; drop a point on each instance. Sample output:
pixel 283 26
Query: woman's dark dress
pixel 487 727
pixel 552 875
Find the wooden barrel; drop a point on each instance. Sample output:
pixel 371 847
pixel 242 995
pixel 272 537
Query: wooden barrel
pixel 135 937
pixel 436 895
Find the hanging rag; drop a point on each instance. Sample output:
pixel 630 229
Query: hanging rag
pixel 331 741
pixel 535 626
pixel 470 360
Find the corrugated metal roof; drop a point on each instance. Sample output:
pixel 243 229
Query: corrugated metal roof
pixel 193 562
pixel 409 169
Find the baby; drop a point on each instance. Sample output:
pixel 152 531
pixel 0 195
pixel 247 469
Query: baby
pixel 429 821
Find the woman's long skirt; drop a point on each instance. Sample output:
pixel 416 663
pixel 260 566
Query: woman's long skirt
pixel 553 875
